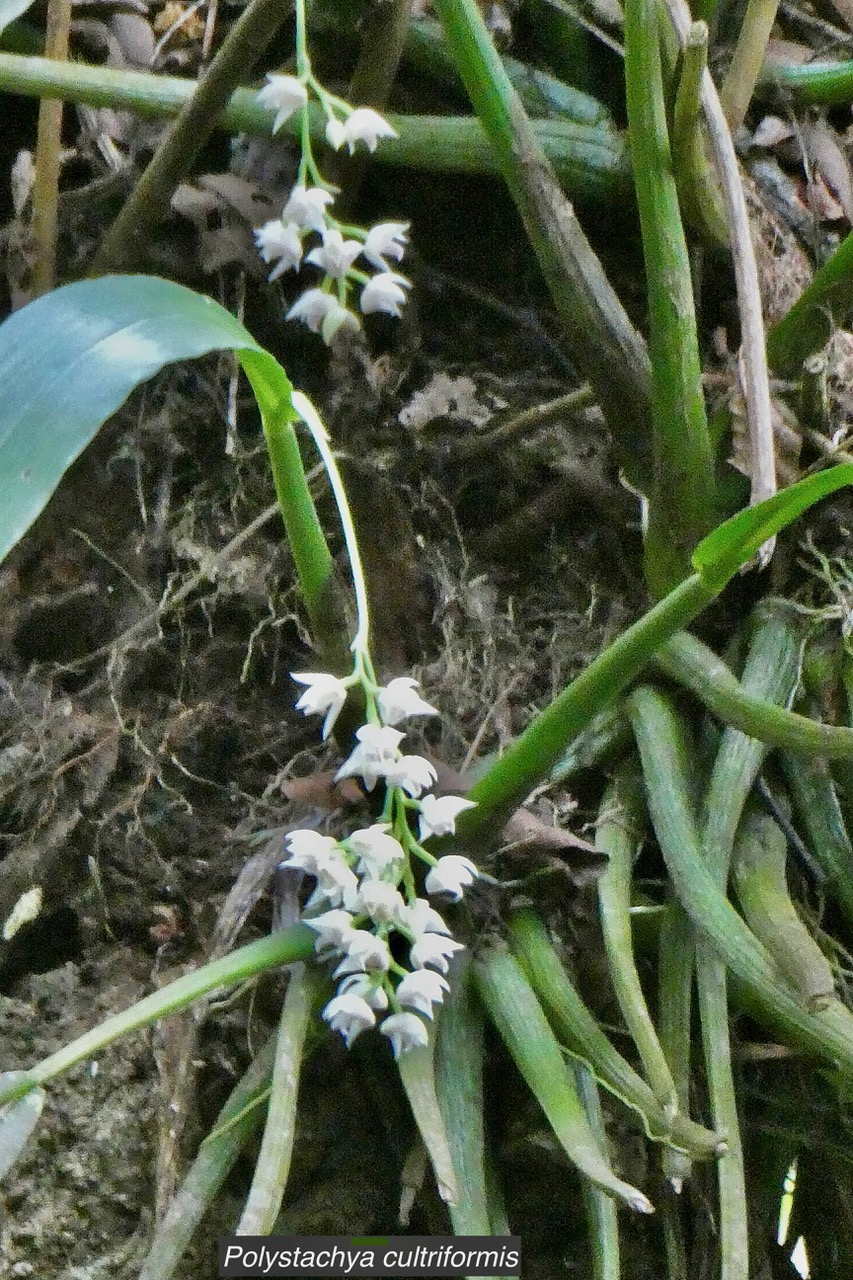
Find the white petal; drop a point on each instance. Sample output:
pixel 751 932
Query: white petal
pixel 398 700
pixel 451 875
pixel 421 990
pixel 336 133
pixel 367 126
pixel 405 1031
pixel 439 814
pixel 413 774
pixel 312 307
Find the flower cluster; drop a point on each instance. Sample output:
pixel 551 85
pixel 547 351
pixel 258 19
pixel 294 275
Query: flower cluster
pixel 324 307
pixel 364 906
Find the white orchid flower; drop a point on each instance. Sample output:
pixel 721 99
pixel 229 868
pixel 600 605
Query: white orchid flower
pixel 413 774
pixel 398 699
pixel 405 1031
pixel 384 292
pixel 439 814
pixel 350 1015
pixel 377 750
pixel 432 950
pixel 386 240
pixel 306 207
pixel 279 242
pixel 451 875
pixel 421 990
pixel 336 255
pixel 325 695
pixel 283 95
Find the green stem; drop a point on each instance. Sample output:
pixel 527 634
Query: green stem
pixel 315 567
pixel 580 1030
pixel 273 1164
pixel 694 665
pixel 235 1125
pixel 698 189
pixel 523 1027
pixel 417 1073
pixel 683 504
pixel 459 1079
pixel 758 874
pixel 816 802
pixel 828 1033
pixel 676 964
pixel 541 94
pixel 601 1210
pixel 821 309
pixel 286 947
pixel 747 60
pixel 127 239
pixel 826 83
pixel 601 742
pixel 615 836
pixel 771 674
pixel 530 758
pixel 605 346
pixel 310 416
pixel 591 160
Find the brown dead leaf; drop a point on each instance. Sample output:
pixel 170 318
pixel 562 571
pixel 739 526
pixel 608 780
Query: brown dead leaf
pixel 830 172
pixel 224 209
pixel 822 202
pixel 787 439
pixel 320 791
pixel 787 51
pixel 526 832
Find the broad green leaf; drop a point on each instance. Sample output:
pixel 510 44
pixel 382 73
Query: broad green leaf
pixel 69 360
pixel 17 1121
pixel 719 556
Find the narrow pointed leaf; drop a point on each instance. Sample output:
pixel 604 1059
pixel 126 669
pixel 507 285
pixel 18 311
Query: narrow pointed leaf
pixel 18 1119
pixel 734 543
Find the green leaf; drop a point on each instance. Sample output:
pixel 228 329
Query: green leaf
pixel 69 360
pixel 17 1120
pixel 719 556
